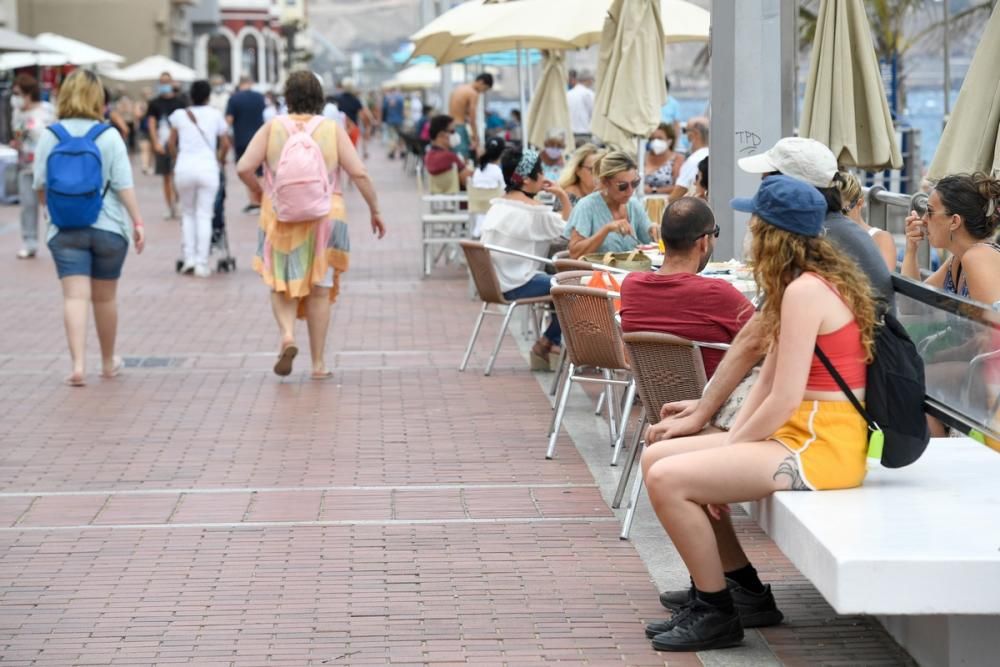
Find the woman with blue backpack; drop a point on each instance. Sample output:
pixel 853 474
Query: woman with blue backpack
pixel 82 174
pixel 302 241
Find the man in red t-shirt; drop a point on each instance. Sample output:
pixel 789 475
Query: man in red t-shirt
pixel 676 299
pixel 440 156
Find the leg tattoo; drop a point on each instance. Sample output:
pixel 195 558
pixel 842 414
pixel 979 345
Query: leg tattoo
pixel 790 468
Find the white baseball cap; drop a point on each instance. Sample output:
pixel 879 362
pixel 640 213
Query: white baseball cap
pixel 804 159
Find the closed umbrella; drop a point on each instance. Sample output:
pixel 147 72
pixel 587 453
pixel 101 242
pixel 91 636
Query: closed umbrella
pixel 971 140
pixel 574 24
pixel 150 69
pixel 845 105
pixel 549 109
pixel 630 90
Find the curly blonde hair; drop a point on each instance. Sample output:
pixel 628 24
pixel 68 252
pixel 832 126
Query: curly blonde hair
pixel 780 256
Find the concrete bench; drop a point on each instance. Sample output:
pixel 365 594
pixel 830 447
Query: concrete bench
pixel 917 547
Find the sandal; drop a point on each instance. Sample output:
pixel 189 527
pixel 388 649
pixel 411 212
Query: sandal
pixel 539 358
pixel 75 380
pixel 283 366
pixel 321 375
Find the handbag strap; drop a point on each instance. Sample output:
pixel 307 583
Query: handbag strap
pixel 872 425
pixel 194 121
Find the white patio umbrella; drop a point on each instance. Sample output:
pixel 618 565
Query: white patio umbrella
pixel 845 105
pixel 15 41
pixel 971 139
pixel 549 108
pixel 77 52
pixel 418 77
pixel 442 38
pixel 630 90
pixel 150 69
pixel 574 24
pixel 18 59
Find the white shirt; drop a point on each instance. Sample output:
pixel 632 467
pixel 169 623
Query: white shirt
pixel 690 168
pixel 489 178
pixel 196 149
pixel 524 228
pixel 581 108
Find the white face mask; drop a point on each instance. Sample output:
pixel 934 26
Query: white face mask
pixel 454 140
pixel 553 152
pixel 658 146
pixel 16 102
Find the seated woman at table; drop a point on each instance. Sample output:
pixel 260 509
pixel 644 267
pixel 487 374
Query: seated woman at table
pixel 963 212
pixel 578 177
pixel 610 219
pixel 517 222
pixel 553 155
pixel 663 164
pixel 796 430
pixel 852 198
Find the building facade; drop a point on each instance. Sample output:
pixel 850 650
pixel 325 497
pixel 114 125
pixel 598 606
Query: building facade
pixel 134 29
pixel 248 39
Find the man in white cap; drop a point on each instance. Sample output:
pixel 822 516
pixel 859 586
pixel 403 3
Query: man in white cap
pixel 812 162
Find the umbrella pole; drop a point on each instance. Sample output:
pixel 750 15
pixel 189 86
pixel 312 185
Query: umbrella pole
pixel 641 161
pixel 524 109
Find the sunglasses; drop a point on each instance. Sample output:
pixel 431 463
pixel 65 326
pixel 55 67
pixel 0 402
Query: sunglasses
pixel 714 232
pixel 623 187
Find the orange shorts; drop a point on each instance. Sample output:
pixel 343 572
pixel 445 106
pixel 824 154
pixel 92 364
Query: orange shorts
pixel 830 441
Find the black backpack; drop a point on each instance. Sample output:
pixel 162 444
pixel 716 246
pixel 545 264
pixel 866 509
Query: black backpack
pixel 894 397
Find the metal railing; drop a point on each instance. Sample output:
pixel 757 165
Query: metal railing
pixel 888 211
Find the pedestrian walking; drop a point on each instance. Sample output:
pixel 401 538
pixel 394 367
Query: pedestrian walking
pixel 158 118
pixel 198 138
pixel 30 118
pixel 245 114
pixel 304 246
pixel 82 172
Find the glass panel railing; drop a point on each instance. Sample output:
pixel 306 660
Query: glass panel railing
pixel 959 341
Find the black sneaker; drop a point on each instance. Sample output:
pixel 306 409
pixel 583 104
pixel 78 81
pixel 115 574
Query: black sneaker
pixel 757 610
pixel 701 627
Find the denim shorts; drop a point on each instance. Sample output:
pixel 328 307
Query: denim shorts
pixel 89 252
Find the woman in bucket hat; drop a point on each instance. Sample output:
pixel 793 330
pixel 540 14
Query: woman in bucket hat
pixel 796 430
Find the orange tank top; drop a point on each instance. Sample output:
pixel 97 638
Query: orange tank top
pixel 844 350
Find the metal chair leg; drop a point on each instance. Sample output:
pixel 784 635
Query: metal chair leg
pixel 632 502
pixel 472 339
pixel 503 330
pixel 562 367
pixel 560 410
pixel 635 450
pixel 600 403
pixel 629 396
pixel 609 400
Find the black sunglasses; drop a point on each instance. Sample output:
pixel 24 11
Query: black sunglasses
pixel 622 187
pixel 714 232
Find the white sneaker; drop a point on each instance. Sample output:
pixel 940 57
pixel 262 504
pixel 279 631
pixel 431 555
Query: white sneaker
pixel 187 268
pixel 202 271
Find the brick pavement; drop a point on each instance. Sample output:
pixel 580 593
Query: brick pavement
pixel 199 510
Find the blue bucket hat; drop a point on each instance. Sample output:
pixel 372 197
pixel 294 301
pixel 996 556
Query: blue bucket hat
pixel 786 203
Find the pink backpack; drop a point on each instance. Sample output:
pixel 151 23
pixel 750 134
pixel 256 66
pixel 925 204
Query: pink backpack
pixel 300 185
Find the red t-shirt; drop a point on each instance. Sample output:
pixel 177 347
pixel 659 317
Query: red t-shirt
pixel 686 305
pixel 439 160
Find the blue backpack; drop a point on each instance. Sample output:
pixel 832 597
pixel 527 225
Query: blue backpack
pixel 74 185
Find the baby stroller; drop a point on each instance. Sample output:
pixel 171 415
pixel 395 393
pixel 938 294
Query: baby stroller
pixel 220 240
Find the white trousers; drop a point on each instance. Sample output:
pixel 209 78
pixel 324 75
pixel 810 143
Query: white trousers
pixel 196 187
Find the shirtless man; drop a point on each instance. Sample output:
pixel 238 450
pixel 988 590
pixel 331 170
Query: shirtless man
pixel 462 107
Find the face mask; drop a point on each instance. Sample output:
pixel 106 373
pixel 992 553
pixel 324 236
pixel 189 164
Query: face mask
pixel 16 102
pixel 165 89
pixel 553 153
pixel 658 146
pixel 454 140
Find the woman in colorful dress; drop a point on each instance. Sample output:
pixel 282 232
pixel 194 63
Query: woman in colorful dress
pixel 301 262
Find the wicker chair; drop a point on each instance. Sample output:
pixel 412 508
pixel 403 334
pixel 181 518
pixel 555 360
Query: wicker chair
pixel 590 339
pixel 478 257
pixel 667 368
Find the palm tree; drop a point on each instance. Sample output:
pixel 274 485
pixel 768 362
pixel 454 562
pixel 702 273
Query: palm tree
pixel 888 19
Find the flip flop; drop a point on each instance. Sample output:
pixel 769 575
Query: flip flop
pixel 283 366
pixel 75 380
pixel 325 375
pixel 116 369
